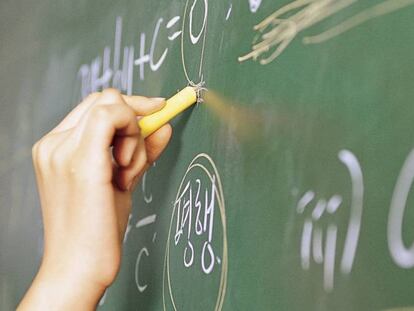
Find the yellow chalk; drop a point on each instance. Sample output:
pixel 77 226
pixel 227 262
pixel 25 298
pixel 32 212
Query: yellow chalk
pixel 175 105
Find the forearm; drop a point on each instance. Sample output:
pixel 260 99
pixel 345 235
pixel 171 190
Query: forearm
pixel 59 292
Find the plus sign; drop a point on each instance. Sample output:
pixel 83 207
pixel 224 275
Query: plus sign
pixel 143 58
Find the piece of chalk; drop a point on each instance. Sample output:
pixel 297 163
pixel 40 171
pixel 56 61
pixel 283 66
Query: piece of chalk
pixel 175 105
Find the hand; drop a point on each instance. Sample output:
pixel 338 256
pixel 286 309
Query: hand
pixel 86 169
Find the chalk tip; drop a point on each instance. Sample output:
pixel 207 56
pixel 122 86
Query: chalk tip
pixel 199 92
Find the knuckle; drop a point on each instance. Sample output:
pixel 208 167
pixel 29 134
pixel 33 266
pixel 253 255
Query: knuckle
pixel 49 157
pixel 112 94
pixel 35 156
pixel 42 151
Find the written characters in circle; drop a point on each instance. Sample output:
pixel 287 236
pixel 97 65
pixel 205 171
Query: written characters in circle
pixel 195 262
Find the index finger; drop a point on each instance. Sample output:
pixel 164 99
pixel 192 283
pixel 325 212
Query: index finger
pixel 141 105
pixel 144 105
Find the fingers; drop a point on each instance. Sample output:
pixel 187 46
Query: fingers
pixel 110 119
pixel 156 142
pixel 140 104
pixel 124 148
pixel 108 96
pixel 147 151
pixel 104 123
pixel 144 105
pixel 125 177
pixel 109 116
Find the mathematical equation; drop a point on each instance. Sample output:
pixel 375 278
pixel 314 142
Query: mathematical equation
pixel 116 66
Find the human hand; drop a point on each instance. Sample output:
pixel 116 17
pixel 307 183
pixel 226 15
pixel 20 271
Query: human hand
pixel 86 169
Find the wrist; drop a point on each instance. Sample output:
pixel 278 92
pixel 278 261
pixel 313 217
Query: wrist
pixel 59 291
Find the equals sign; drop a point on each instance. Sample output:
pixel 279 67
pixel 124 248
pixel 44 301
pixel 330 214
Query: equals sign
pixel 146 221
pixel 170 24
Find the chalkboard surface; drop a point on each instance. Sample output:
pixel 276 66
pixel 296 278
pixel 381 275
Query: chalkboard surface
pixel 289 188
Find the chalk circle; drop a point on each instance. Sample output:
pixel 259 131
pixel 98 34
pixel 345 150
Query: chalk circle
pixel 193 39
pixel 203 163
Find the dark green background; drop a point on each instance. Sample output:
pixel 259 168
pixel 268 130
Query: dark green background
pixel 282 129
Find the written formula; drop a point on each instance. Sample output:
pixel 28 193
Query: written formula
pixel 120 63
pixel 117 65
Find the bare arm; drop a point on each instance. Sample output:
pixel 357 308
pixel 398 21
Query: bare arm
pixel 86 169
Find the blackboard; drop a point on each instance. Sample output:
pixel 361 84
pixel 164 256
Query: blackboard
pixel 288 188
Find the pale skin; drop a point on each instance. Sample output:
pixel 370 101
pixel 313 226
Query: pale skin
pixel 86 170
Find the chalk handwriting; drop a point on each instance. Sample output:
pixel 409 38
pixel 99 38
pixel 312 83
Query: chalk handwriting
pixel 229 12
pixel 197 39
pixel 148 58
pixel 199 199
pixel 103 298
pixel 115 67
pixel 402 255
pixel 144 187
pixel 173 21
pixel 128 228
pixel 146 221
pixel 104 71
pixel 254 5
pixel 144 251
pixel 141 223
pixel 311 246
pixel 141 287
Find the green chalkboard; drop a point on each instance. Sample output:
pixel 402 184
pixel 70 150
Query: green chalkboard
pixel 288 188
